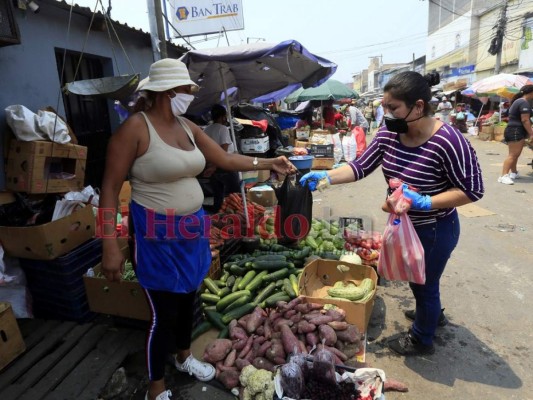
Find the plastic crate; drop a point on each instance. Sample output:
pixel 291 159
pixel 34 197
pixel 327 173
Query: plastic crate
pixel 71 309
pixel 322 150
pixel 215 270
pixel 231 247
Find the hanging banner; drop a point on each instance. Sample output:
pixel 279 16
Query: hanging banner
pixel 200 17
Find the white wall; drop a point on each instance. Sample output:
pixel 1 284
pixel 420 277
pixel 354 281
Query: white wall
pixel 450 37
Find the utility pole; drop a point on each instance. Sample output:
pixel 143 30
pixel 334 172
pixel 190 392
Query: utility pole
pixel 157 31
pixel 496 44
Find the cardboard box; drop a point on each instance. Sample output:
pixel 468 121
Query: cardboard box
pixel 323 163
pixel 125 299
pixel 320 275
pixel 301 143
pixel 250 176
pixel 11 342
pixel 51 240
pixel 263 195
pixel 255 145
pixel 45 167
pixel 302 134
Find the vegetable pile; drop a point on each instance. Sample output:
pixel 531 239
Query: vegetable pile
pixel 265 337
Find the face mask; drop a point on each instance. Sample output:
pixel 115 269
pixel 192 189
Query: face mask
pixel 180 102
pixel 399 125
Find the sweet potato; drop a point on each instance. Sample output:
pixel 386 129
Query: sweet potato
pixel 263 348
pixel 243 320
pixel 338 325
pixel 255 319
pixel 260 331
pixel 217 350
pixel 315 306
pixel 294 302
pixel 288 314
pixel 230 358
pixel 305 327
pixel 267 329
pixel 327 335
pixel 280 322
pixel 275 351
pixel 343 357
pixel 311 338
pixel 303 308
pixel 239 344
pixel 289 341
pixel 394 385
pixel 350 335
pixel 259 340
pixel 236 332
pixel 263 363
pixel 241 363
pixel 312 314
pixel 337 315
pixel 302 347
pixel 229 379
pixel 276 335
pixel 321 320
pixel 247 347
pixel 274 316
pixel 296 317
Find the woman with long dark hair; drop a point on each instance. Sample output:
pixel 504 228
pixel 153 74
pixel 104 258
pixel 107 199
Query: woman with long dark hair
pixel 518 129
pixel 434 158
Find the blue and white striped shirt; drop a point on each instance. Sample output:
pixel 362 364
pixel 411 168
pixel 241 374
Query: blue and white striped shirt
pixel 445 161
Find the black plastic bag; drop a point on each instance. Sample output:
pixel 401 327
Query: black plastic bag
pixel 295 211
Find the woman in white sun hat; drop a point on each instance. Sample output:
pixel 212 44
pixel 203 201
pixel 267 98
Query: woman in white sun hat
pixel 163 153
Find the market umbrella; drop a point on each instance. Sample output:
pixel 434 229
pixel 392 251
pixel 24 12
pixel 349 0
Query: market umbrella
pixel 261 72
pixel 503 85
pixel 329 90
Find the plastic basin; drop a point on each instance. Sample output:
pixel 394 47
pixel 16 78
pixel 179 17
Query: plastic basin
pixel 302 162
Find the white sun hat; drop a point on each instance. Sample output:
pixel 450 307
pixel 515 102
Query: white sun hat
pixel 166 74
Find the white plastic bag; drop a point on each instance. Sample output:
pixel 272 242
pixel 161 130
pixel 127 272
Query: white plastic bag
pixel 28 126
pixel 52 127
pixel 337 148
pixel 87 195
pixel 22 121
pixel 349 147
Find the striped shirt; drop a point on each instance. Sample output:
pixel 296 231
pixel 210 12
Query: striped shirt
pixel 445 161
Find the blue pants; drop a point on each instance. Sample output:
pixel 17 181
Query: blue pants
pixel 438 239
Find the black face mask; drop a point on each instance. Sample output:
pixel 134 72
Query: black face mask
pixel 399 125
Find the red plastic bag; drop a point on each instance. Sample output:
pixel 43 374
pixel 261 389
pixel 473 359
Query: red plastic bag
pixel 401 256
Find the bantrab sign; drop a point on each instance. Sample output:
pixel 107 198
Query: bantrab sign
pixel 199 17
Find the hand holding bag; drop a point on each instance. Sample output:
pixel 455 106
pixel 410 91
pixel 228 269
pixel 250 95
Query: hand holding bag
pixel 401 256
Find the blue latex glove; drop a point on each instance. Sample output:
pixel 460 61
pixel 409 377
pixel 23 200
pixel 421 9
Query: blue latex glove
pixel 420 201
pixel 312 179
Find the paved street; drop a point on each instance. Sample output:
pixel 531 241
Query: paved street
pixel 485 351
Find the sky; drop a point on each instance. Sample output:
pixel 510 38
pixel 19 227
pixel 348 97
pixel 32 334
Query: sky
pixel 345 32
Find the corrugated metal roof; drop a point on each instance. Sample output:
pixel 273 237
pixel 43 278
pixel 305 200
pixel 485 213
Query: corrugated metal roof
pixel 86 11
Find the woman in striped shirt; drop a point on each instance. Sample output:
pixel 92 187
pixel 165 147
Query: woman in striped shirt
pixel 434 158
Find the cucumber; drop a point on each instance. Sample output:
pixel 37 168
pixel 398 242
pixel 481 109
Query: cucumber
pixel 224 333
pixel 202 327
pixel 271 265
pixel 237 313
pixel 212 286
pixel 215 319
pixel 287 287
pixel 271 257
pixel 236 270
pixel 210 298
pixel 237 303
pixel 224 292
pixel 211 307
pixel 220 283
pixel 225 276
pixel 279 283
pixel 274 276
pixel 234 288
pixel 256 282
pixel 265 292
pixel 246 279
pixel 230 281
pixel 294 283
pixel 272 300
pixel 230 298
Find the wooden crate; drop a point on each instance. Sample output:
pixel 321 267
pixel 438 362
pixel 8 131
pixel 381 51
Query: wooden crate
pixel 323 163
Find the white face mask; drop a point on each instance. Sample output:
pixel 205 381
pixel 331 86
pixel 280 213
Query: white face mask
pixel 180 102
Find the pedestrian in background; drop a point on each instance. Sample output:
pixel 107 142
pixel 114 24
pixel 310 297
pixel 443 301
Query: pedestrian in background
pixel 440 163
pixel 516 132
pixel 163 153
pixel 444 109
pixel 369 113
pixel 357 118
